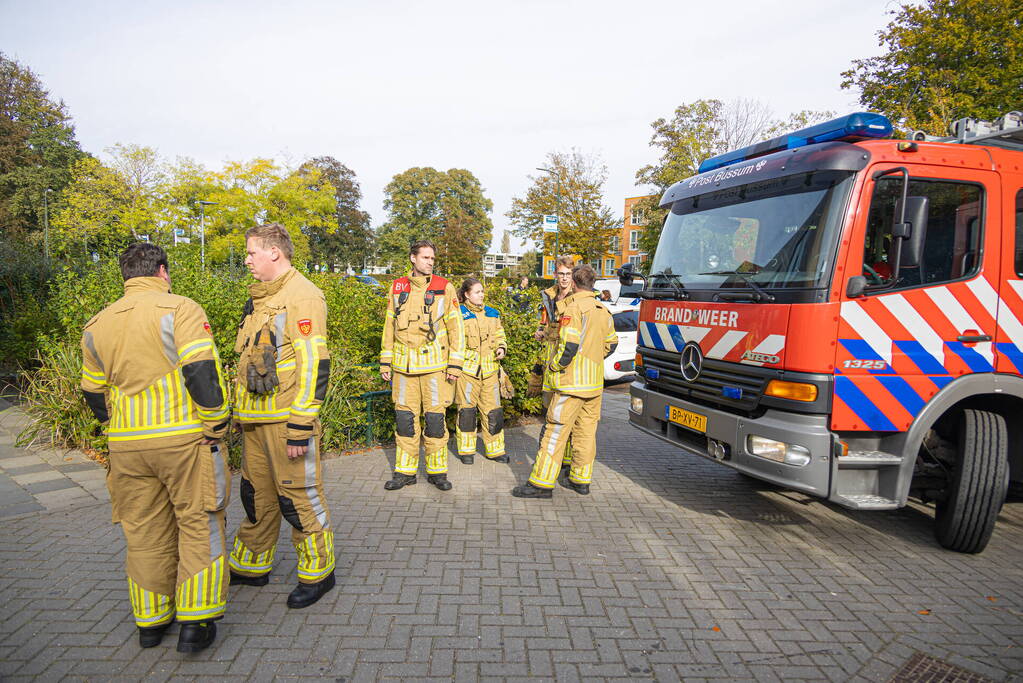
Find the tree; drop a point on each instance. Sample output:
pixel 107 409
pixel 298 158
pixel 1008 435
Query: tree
pixel 348 239
pixel 699 130
pixel 246 193
pixel 586 225
pixel 944 60
pixel 37 148
pixel 448 208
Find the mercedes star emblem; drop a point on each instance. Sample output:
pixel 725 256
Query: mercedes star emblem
pixel 692 361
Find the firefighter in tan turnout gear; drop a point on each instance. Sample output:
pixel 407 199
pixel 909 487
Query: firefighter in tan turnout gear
pixel 151 375
pixel 552 306
pixel 283 368
pixel 586 337
pixel 477 390
pixel 421 354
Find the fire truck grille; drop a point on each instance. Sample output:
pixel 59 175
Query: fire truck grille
pixel 721 383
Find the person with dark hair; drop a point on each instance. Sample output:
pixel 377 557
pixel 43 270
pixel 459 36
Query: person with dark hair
pixel 151 376
pixel 283 370
pixel 421 354
pixel 586 338
pixel 478 390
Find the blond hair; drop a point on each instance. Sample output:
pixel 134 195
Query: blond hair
pixel 272 235
pixel 566 261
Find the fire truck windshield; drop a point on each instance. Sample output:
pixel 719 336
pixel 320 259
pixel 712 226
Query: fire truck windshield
pixel 777 233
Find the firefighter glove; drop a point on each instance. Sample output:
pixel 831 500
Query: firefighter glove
pixel 261 375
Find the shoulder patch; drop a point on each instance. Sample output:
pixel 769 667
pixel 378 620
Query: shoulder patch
pixel 491 312
pixel 400 285
pixel 566 320
pixel 467 314
pixel 305 326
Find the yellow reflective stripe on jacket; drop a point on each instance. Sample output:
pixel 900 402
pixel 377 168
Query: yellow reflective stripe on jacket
pixel 427 358
pixel 150 609
pixel 262 407
pixel 189 350
pixel 456 355
pixel 582 375
pixel 308 352
pixel 203 596
pixel 164 408
pixel 97 378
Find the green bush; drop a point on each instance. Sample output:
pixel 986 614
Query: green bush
pixel 77 291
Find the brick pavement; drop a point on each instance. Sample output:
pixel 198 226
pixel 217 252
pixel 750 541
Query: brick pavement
pixel 675 568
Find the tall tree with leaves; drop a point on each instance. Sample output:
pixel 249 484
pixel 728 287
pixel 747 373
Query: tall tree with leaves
pixel 702 129
pixel 944 60
pixel 37 148
pixel 586 226
pixel 348 239
pixel 446 207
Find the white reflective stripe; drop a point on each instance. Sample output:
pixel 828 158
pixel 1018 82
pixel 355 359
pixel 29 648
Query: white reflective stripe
pixel 401 388
pixel 1007 319
pixel 919 328
pixel 960 318
pixel 771 345
pixel 170 349
pixel 434 392
pixel 312 492
pixel 727 342
pixel 869 331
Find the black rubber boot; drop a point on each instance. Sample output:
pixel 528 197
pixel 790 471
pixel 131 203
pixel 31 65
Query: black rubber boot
pixel 243 580
pixel 400 480
pixel 581 489
pixel 530 491
pixel 195 636
pixel 150 636
pixel 500 458
pixel 308 593
pixel 440 481
pixel 467 459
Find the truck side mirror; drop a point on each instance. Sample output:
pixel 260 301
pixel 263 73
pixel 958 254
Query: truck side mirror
pixel 626 274
pixel 856 286
pixel 912 229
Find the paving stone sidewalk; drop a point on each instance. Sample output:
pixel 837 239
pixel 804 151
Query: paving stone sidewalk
pixel 673 569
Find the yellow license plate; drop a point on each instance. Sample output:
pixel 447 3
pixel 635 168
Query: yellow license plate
pixel 686 418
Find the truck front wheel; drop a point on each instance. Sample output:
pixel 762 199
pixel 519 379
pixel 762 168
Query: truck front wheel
pixel 977 483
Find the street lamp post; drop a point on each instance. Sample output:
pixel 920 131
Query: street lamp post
pixel 46 225
pixel 557 211
pixel 202 230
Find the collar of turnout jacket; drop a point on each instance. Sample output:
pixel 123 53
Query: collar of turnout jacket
pixel 294 310
pixel 423 330
pixel 585 336
pixel 484 335
pixel 150 369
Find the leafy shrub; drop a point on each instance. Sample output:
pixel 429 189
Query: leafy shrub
pixel 354 324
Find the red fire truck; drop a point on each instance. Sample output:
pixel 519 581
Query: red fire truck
pixel 841 313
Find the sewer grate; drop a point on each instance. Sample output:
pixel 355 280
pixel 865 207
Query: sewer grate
pixel 922 668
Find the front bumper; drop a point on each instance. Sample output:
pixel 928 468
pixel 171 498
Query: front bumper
pixel 809 431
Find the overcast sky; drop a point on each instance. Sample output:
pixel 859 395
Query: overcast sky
pixel 383 86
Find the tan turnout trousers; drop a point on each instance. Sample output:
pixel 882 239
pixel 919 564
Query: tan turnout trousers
pixel 414 395
pixel 568 417
pixel 482 398
pixel 274 487
pixel 170 503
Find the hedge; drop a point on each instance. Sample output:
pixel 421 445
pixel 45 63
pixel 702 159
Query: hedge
pixel 355 314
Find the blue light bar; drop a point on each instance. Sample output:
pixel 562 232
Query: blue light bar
pixel 854 126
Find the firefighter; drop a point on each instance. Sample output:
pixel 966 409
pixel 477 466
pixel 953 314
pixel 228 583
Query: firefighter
pixel 477 389
pixel 151 376
pixel 283 368
pixel 421 354
pixel 585 339
pixel 552 305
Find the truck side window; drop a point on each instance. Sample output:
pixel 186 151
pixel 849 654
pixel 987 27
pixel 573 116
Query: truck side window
pixel 1019 233
pixel 951 245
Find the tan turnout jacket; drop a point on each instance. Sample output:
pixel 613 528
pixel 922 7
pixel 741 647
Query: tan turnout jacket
pixel 418 338
pixel 150 369
pixel 296 312
pixel 586 337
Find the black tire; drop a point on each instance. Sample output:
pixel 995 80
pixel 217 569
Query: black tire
pixel 977 485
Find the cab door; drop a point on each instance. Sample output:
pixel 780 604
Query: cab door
pixel 912 332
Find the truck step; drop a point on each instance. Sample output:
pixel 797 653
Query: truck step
pixel 865 501
pixel 864 460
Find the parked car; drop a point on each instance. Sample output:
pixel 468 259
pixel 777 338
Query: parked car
pixel 622 363
pixel 620 298
pixel 366 280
